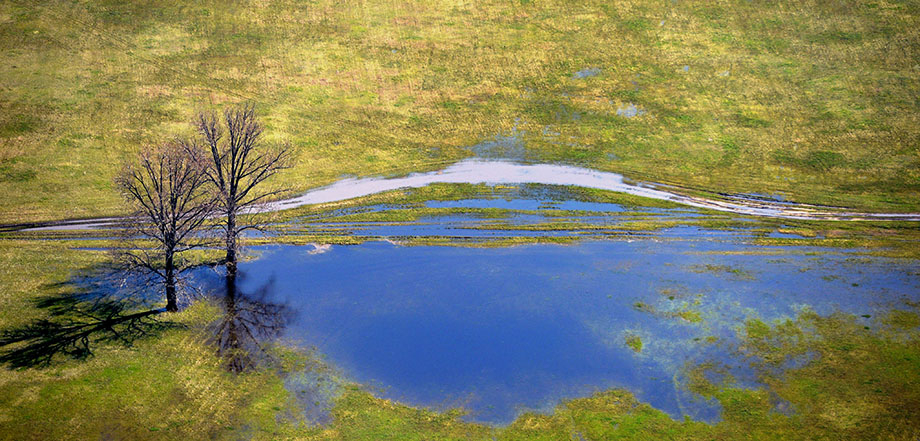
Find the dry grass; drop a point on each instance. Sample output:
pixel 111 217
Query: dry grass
pixel 815 100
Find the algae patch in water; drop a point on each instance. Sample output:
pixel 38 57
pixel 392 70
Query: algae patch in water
pixel 634 342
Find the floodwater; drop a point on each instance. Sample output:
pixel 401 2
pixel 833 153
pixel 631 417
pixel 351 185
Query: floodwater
pixel 527 208
pixel 494 167
pixel 502 330
pixel 482 171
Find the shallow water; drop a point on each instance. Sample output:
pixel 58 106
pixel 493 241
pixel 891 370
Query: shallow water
pixel 630 111
pixel 477 171
pixel 587 73
pixel 500 330
pixel 500 169
pixel 526 208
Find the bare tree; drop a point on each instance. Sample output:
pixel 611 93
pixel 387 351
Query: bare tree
pixel 238 163
pixel 167 188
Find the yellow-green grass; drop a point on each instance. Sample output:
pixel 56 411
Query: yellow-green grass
pixel 172 383
pixel 819 103
pixel 814 99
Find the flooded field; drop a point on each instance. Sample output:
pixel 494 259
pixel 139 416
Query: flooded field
pixel 501 330
pixel 479 171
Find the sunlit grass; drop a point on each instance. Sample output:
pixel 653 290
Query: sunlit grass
pixel 816 100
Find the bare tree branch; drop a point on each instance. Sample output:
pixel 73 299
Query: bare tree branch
pixel 237 166
pixel 167 188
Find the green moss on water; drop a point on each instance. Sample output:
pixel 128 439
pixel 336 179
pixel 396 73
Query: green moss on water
pixel 854 379
pixel 634 342
pixel 690 315
pixel 490 242
pixel 729 270
pixel 417 213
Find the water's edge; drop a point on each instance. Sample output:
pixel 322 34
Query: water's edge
pixel 478 171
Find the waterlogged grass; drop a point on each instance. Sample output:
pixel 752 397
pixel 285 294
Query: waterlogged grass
pixel 634 342
pixel 330 223
pixel 850 377
pixel 487 242
pixel 728 270
pixel 683 310
pixel 861 368
pixel 415 199
pixel 861 384
pixel 814 100
pixel 642 216
pixel 415 214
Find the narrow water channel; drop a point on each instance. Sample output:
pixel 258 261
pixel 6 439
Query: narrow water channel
pixel 482 171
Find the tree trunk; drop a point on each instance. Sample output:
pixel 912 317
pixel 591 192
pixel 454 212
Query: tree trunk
pixel 171 303
pixel 236 361
pixel 231 242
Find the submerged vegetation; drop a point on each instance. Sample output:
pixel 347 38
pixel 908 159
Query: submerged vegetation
pixel 833 377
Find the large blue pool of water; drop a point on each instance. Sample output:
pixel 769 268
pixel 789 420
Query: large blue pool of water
pixel 503 330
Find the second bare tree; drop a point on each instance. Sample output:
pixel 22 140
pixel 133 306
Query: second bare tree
pixel 238 163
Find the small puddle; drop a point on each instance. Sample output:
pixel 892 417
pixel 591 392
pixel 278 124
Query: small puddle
pixel 587 73
pixel 630 111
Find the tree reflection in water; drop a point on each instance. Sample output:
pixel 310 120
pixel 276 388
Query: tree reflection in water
pixel 249 323
pixel 243 337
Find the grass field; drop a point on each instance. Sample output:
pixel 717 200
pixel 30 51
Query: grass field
pixel 815 100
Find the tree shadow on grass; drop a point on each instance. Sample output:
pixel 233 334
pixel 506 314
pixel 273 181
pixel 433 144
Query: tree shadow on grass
pixel 108 305
pixel 103 306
